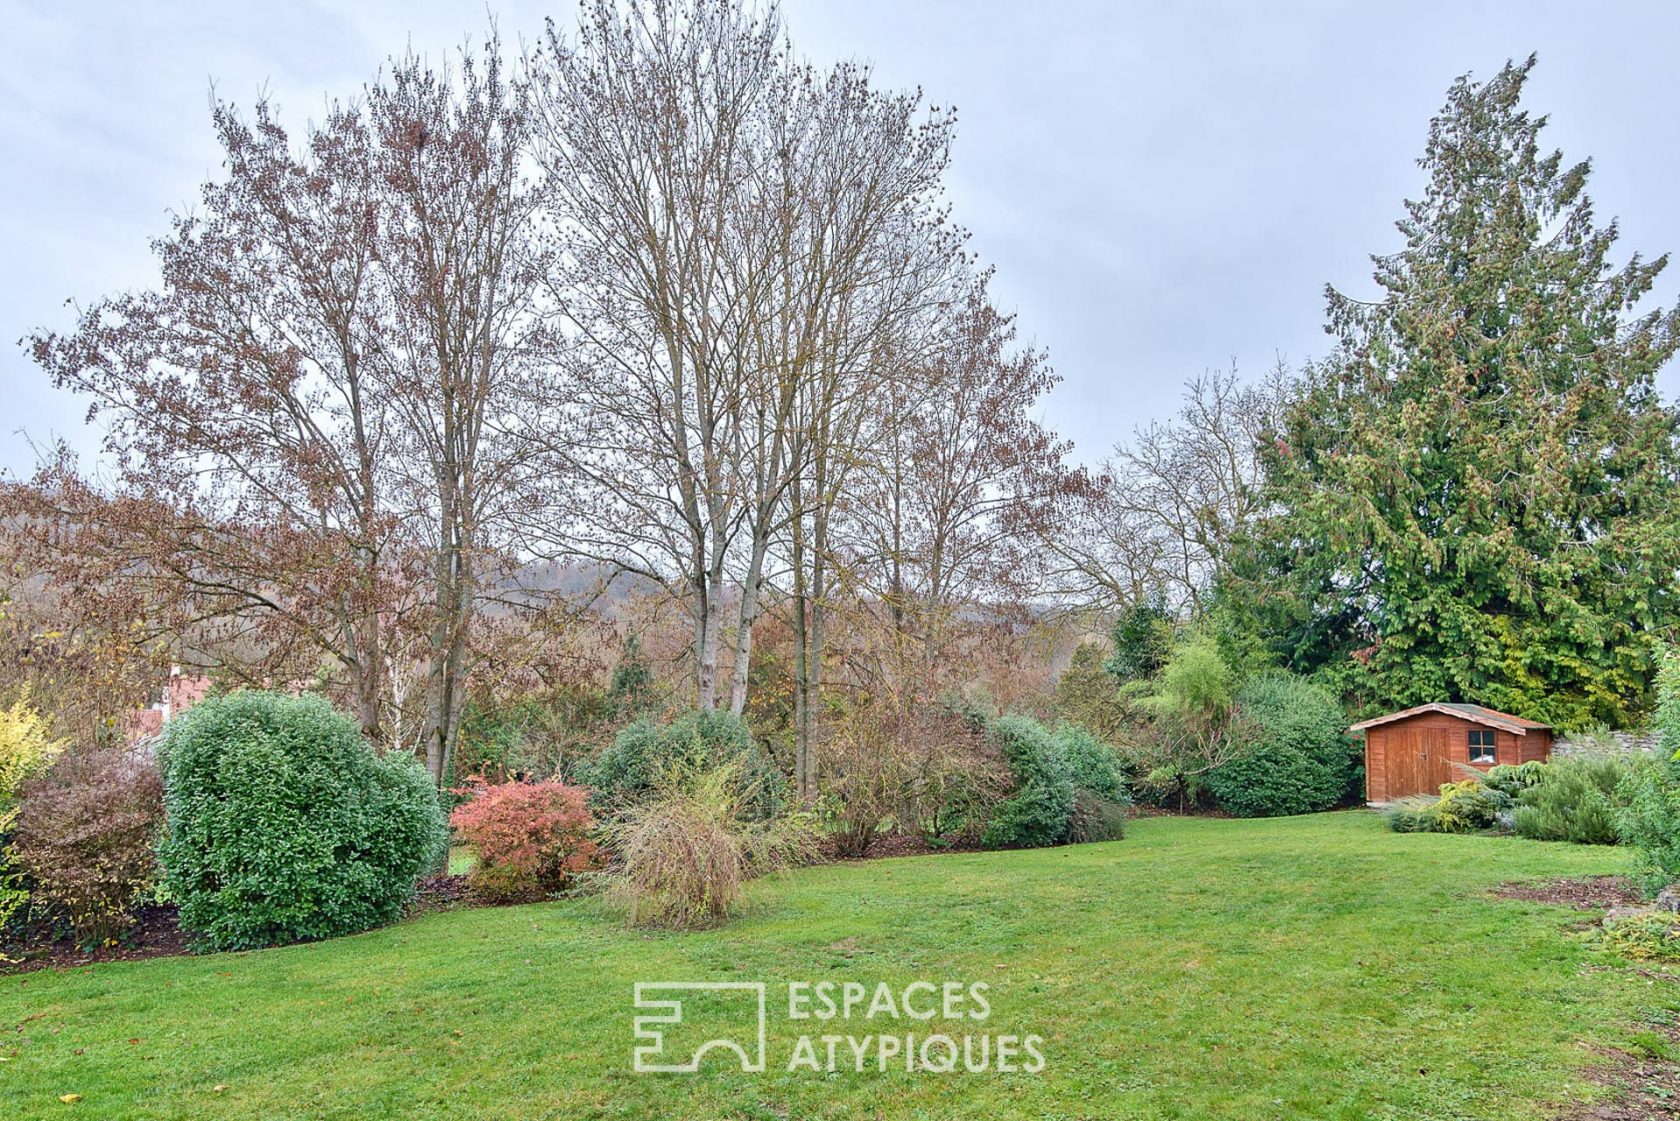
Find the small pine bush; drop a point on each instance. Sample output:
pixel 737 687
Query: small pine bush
pixel 1093 765
pixel 1463 807
pixel 1511 779
pixel 1094 819
pixel 531 838
pixel 285 826
pixel 1036 811
pixel 1573 799
pixel 1650 823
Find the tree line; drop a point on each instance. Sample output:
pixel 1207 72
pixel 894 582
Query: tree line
pixel 661 299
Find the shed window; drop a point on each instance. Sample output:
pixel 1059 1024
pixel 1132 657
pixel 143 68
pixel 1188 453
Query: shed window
pixel 1481 747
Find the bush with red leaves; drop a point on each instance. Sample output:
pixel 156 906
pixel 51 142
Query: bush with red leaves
pixel 531 838
pixel 87 834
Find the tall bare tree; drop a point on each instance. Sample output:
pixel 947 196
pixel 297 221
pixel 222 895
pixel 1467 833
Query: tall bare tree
pixel 318 393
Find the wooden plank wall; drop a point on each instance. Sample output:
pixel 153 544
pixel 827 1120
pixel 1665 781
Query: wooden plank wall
pixel 1395 762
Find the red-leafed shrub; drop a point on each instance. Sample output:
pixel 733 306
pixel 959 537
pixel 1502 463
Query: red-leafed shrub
pixel 531 838
pixel 87 834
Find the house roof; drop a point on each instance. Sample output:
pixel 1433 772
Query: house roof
pixel 1504 721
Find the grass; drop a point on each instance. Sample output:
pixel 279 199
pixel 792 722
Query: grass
pixel 1315 967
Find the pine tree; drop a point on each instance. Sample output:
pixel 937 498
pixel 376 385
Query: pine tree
pixel 1474 495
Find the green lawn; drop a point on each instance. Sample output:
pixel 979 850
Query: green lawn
pixel 1305 967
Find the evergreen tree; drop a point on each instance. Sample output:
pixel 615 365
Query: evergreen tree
pixel 1473 498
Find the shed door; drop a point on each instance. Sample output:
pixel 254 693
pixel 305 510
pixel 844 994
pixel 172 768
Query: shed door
pixel 1418 760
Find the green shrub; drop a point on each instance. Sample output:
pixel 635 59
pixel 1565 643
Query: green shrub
pixel 1092 764
pixel 1463 807
pixel 283 825
pixel 1143 636
pixel 1413 814
pixel 704 739
pixel 1574 799
pixel 1650 821
pixel 1640 937
pixel 1036 811
pixel 1302 761
pixel 1094 819
pixel 1100 791
pixel 1510 780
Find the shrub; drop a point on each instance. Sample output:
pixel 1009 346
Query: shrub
pixel 868 770
pixel 1100 795
pixel 1510 780
pixel 1036 811
pixel 631 768
pixel 1463 807
pixel 686 849
pixel 531 839
pixel 1143 636
pixel 1640 937
pixel 284 825
pixel 1091 818
pixel 1093 765
pixel 1650 821
pixel 1301 760
pixel 87 835
pixel 1573 799
pixel 26 750
pixel 1413 814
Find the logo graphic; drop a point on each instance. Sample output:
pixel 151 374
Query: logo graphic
pixel 729 1002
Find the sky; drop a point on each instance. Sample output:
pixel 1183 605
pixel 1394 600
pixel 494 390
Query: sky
pixel 1164 189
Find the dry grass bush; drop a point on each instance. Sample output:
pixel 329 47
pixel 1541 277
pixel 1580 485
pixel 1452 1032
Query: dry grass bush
pixel 685 852
pixel 895 765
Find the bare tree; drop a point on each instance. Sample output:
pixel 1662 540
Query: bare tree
pixel 318 394
pixel 1155 521
pixel 467 338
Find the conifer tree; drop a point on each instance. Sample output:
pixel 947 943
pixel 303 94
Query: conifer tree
pixel 1473 497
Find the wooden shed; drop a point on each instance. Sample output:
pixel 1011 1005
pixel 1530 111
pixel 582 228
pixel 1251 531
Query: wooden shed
pixel 1413 752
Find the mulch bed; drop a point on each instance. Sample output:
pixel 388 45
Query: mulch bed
pixel 899 844
pixel 1593 893
pixel 156 934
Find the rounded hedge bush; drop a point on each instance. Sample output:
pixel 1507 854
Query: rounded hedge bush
pixel 284 826
pixel 1303 760
pixel 1036 811
pixel 701 740
pixel 1093 765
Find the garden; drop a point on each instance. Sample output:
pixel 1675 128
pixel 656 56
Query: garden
pixel 578 611
pixel 1315 966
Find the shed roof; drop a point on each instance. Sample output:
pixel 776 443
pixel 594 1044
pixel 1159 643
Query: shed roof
pixel 1478 714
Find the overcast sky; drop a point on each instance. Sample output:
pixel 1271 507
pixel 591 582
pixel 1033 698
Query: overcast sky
pixel 1164 188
